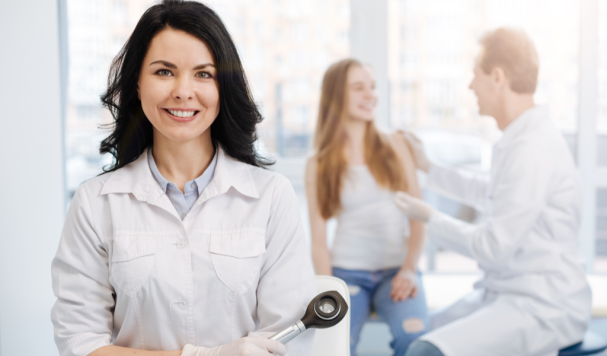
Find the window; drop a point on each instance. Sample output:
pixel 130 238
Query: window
pixel 97 29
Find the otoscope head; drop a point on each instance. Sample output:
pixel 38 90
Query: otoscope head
pixel 325 311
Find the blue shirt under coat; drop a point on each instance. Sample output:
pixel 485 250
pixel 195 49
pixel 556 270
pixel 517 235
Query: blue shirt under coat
pixel 183 202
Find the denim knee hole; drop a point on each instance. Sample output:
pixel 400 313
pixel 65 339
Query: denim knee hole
pixel 353 290
pixel 413 325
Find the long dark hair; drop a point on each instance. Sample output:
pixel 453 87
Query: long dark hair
pixel 234 127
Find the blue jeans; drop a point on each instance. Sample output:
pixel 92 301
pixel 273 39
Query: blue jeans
pixel 407 319
pixel 423 348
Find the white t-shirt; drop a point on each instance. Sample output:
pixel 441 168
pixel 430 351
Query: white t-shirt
pixel 372 232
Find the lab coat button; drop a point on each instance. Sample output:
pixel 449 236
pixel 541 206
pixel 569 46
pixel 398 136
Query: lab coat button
pixel 181 244
pixel 182 304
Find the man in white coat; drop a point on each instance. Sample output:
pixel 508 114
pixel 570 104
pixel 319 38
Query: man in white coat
pixel 533 298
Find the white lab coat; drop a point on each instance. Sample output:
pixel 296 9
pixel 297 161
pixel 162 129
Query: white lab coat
pixel 130 272
pixel 533 298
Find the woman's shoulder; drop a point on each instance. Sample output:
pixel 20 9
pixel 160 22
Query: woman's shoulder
pixel 268 178
pixel 399 142
pixel 93 186
pixel 397 136
pixel 311 160
pixel 87 198
pixel 272 186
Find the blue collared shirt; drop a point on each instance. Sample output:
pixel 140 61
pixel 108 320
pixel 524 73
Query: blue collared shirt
pixel 183 202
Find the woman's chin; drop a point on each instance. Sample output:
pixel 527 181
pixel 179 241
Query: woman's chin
pixel 183 135
pixel 363 118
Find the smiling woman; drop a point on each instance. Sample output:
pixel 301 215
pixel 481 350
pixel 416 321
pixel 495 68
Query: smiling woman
pixel 353 176
pixel 186 245
pixel 156 53
pixel 162 84
pixel 180 97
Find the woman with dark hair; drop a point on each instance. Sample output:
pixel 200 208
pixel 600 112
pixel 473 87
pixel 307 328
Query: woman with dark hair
pixel 186 245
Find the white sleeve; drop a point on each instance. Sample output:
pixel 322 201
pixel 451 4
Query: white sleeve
pixel 287 283
pixel 464 186
pixel 82 315
pixel 519 197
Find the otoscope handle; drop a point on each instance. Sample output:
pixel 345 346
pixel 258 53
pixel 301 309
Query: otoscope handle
pixel 334 310
pixel 289 333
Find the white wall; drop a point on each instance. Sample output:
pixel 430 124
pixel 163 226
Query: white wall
pixel 31 174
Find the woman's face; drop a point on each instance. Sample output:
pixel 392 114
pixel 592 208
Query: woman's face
pixel 178 87
pixel 361 93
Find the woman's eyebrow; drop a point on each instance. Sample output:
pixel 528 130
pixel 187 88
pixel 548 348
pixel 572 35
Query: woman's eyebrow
pixel 165 63
pixel 172 66
pixel 201 66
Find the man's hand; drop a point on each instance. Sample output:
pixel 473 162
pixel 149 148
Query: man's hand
pixel 247 346
pixel 404 285
pixel 414 208
pixel 419 153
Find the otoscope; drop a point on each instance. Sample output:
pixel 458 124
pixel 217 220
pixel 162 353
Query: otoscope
pixel 324 311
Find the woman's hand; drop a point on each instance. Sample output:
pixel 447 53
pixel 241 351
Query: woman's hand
pixel 247 346
pixel 404 285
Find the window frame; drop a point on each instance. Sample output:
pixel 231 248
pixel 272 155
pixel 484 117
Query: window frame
pixel 592 176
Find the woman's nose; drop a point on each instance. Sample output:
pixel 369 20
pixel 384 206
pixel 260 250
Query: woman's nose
pixel 369 93
pixel 183 89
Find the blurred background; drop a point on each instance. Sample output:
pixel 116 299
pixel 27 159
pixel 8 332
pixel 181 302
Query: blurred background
pixel 56 55
pixel 286 46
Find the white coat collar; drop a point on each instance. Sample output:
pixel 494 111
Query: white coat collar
pixel 521 123
pixel 136 178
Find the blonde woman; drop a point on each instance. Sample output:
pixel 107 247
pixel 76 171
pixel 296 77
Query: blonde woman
pixel 353 176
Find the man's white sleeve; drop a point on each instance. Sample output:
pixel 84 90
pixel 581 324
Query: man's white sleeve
pixel 519 196
pixel 465 187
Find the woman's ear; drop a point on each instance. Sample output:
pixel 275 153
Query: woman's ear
pixel 138 92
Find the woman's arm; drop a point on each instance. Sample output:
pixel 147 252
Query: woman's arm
pixel 123 351
pixel 286 280
pixel 405 282
pixel 82 314
pixel 318 225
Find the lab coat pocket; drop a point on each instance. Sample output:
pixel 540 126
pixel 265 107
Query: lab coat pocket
pixel 237 257
pixel 133 259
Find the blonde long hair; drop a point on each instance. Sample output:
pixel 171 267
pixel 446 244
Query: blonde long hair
pixel 383 162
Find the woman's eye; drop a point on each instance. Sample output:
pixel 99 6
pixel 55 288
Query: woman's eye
pixel 203 75
pixel 164 72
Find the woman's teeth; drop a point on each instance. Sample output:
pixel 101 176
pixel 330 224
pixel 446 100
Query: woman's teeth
pixel 182 113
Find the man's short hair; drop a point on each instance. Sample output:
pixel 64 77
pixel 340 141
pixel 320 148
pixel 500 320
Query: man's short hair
pixel 514 52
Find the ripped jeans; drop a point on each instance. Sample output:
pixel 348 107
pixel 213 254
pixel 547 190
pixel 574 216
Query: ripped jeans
pixel 407 319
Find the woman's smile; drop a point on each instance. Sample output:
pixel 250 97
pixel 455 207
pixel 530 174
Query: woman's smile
pixel 368 107
pixel 182 115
